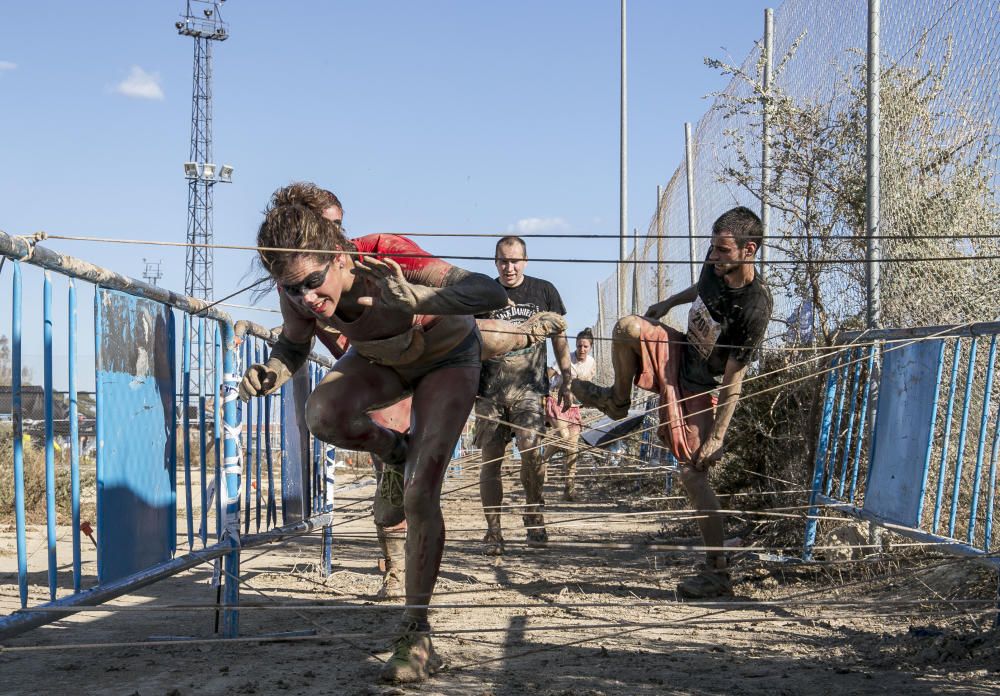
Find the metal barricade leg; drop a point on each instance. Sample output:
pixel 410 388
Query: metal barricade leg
pixel 232 468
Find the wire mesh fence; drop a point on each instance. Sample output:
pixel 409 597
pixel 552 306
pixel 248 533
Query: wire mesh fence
pixel 940 102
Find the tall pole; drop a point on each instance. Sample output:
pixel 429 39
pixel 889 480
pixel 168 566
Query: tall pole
pixel 599 332
pixel 765 154
pixel 872 208
pixel 623 171
pixel 635 270
pixel 202 21
pixel 659 244
pixel 692 223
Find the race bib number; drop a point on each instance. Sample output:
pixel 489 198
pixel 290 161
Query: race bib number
pixel 703 331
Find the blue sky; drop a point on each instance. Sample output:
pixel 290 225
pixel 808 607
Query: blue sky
pixel 468 117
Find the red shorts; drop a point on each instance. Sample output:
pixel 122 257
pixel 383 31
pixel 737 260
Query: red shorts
pixel 554 413
pixel 684 418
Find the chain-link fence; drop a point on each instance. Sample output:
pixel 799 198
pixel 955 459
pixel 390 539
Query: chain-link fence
pixel 940 103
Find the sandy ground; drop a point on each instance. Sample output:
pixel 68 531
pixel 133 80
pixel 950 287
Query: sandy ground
pixel 595 613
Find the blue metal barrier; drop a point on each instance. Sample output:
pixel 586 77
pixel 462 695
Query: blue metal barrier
pixel 892 481
pixel 136 428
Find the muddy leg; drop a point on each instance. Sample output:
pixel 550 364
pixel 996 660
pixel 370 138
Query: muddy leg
pixel 702 497
pixel 571 433
pixel 501 337
pixel 625 356
pixel 491 485
pixel 392 541
pixel 441 404
pixel 533 479
pixel 336 411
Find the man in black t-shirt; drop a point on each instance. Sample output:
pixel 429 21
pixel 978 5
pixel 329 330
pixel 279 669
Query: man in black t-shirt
pixel 730 311
pixel 511 401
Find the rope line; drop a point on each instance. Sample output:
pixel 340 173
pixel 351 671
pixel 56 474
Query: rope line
pixel 553 628
pixel 656 605
pixel 665 262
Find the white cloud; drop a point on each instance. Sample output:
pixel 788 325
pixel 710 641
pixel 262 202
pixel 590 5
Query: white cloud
pixel 537 225
pixel 140 85
pixel 6 66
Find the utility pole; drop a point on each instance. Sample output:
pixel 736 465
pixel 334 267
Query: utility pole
pixel 623 170
pixel 658 295
pixel 635 270
pixel 873 251
pixel 692 222
pixel 202 21
pixel 765 150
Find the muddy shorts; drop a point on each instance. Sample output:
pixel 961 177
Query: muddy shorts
pixel 524 409
pixel 466 354
pixel 685 418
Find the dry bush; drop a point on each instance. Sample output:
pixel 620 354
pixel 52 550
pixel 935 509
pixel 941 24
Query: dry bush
pixel 773 433
pixel 34 484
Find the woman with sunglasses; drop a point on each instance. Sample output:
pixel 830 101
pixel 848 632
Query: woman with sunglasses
pixel 408 318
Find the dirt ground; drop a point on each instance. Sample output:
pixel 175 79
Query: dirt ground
pixel 594 613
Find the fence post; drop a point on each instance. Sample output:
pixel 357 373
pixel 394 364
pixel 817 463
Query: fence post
pixel 74 436
pixel 689 166
pixel 623 169
pixel 599 333
pixel 186 427
pixel 50 454
pixel 820 468
pixel 232 466
pixel 659 244
pixel 202 435
pixel 17 416
pixel 217 426
pixel 765 154
pixel 873 165
pixel 635 270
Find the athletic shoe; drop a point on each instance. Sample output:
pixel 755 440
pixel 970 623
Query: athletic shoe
pixel 706 584
pixel 392 585
pixel 493 543
pixel 541 325
pixel 413 657
pixel 538 538
pixel 595 396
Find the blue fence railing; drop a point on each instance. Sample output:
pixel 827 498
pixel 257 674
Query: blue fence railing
pixel 138 419
pixel 909 436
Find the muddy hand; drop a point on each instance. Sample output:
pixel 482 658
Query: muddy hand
pixel 259 380
pixel 708 454
pixel 565 397
pixel 657 310
pixel 393 289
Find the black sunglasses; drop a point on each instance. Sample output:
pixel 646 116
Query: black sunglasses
pixel 310 282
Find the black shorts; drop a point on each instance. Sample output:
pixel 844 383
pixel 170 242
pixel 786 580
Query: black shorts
pixel 468 353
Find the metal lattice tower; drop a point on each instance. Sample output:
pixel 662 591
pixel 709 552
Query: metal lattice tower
pixel 202 21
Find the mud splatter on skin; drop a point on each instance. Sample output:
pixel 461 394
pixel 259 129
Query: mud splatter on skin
pixel 442 402
pixel 337 412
